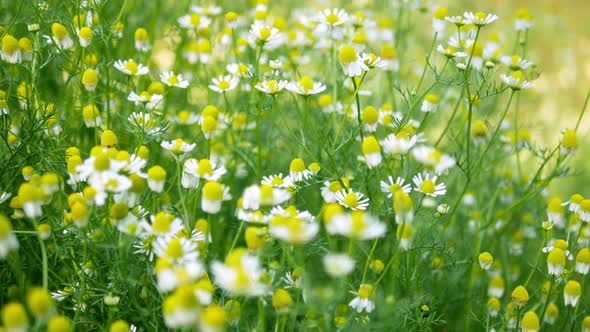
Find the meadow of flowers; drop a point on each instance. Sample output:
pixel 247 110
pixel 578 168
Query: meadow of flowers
pixel 273 166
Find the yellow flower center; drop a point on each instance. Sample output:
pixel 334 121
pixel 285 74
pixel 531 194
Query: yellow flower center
pixel 205 167
pixel 162 223
pixel 213 191
pixel 351 200
pixel 427 187
pixel 9 44
pixel 347 54
pixel 265 33
pixel 174 249
pixel 132 67
pixel 195 19
pixel 173 80
pixel 332 18
pixel 59 31
pixel 306 83
pixel 223 85
pixel 394 188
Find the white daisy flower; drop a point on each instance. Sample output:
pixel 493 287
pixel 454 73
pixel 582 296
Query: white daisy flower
pixel 277 180
pixel 390 187
pixel 178 146
pixel 357 225
pixel 479 19
pixel 171 79
pixel 271 87
pixel 516 81
pixel 130 67
pixel 256 196
pixel 306 86
pixel 363 299
pixel 352 64
pixel 224 83
pixel 338 265
pixel 332 17
pixel 352 200
pixel 194 170
pixel 433 159
pixel 428 186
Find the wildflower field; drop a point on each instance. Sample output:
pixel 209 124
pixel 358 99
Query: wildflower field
pixel 258 165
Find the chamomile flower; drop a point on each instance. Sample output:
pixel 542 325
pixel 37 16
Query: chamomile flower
pixel 399 144
pixel 352 64
pixel 194 170
pixel 338 265
pixel 371 151
pixel 130 67
pixel 194 21
pixel 352 200
pixel 151 101
pixel 271 87
pixel 515 62
pixel 530 322
pixel 370 118
pixel 485 260
pixel 156 178
pixel 403 207
pixel 555 212
pixel 332 17
pixel 390 187
pixel 450 52
pixel 4 110
pixel 142 42
pixel 177 250
pixel 263 33
pixel 583 261
pixel 571 293
pixel 430 103
pixel 240 69
pixel 60 36
pixel 569 141
pixel 178 146
pixel 524 20
pixel 519 296
pixel 297 170
pixel 277 180
pixel 373 61
pixel 496 286
pixel 8 240
pixel 85 36
pixel 175 80
pixel 224 83
pixel 427 185
pixel 256 196
pixel 330 188
pixel 438 19
pixel 433 159
pixel 306 86
pixel 584 210
pixel 479 19
pixel 162 224
pixel 516 81
pixel 389 58
pixel 214 193
pixel 10 50
pixel 185 117
pixel 240 274
pixel 91 116
pixel 357 225
pixel 364 299
pixel 292 229
pixel 14 317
